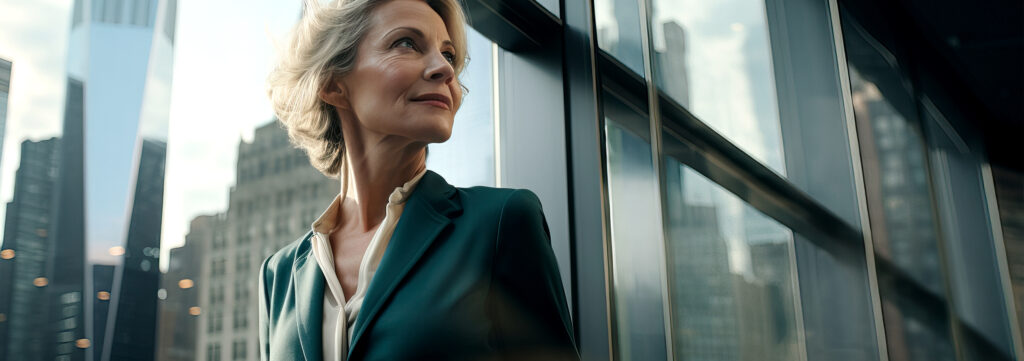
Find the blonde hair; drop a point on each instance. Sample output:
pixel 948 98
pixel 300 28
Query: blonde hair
pixel 323 45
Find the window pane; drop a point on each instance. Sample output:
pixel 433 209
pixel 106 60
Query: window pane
pixel 714 235
pixel 636 238
pixel 975 282
pixel 618 31
pixel 900 208
pixel 834 290
pixel 552 6
pixel 714 58
pixel 812 110
pixel 732 275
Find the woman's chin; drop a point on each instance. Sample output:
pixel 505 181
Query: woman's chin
pixel 439 138
pixel 438 134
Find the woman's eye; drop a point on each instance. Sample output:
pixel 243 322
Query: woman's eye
pixel 405 42
pixel 449 56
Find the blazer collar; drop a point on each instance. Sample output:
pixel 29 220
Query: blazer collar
pixel 308 281
pixel 428 211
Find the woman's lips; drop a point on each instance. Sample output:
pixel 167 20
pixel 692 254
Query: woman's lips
pixel 436 103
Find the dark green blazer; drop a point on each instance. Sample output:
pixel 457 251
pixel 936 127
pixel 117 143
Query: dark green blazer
pixel 468 275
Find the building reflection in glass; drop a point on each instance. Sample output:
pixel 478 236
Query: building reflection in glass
pixel 903 226
pixel 714 58
pixel 731 274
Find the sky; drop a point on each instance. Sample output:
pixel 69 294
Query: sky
pixel 223 52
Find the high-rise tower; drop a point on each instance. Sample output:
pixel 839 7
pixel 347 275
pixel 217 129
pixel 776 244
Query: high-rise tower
pixel 110 187
pixel 24 260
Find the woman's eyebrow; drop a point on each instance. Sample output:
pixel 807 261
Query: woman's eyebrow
pixel 418 33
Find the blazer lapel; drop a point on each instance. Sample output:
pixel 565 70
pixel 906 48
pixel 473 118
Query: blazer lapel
pixel 309 295
pixel 427 212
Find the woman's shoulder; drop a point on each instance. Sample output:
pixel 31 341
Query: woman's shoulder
pixel 502 200
pixel 282 260
pixel 507 211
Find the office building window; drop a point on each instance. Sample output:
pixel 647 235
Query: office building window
pixel 213 352
pixel 238 350
pixel 240 321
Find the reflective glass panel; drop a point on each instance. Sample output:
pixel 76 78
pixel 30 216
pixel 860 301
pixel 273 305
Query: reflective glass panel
pixel 903 227
pixel 636 237
pixel 552 5
pixel 714 59
pixel 618 32
pixel 976 287
pixel 731 274
pixel 834 290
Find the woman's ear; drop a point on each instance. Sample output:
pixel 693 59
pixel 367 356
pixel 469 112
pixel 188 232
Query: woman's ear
pixel 334 93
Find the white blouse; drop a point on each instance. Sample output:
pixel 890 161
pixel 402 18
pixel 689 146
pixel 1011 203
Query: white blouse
pixel 339 316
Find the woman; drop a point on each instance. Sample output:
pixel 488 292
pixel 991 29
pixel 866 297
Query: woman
pixel 401 265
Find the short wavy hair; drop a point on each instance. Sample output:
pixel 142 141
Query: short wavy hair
pixel 321 46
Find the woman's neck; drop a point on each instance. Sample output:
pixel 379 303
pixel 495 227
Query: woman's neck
pixel 374 171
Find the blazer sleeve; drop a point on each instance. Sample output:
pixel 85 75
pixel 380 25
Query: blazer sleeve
pixel 264 316
pixel 527 299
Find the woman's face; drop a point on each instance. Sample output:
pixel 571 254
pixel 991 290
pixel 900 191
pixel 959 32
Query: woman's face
pixel 403 82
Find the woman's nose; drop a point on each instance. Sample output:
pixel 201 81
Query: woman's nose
pixel 438 68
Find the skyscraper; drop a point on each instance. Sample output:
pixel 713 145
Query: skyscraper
pixel 24 261
pixel 277 195
pixel 111 180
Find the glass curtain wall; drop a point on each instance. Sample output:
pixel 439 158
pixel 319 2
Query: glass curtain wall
pixel 739 285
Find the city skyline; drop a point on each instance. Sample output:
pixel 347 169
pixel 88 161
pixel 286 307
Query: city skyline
pixel 31 38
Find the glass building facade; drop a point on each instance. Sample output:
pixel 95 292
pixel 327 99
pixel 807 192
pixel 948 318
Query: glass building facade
pixel 723 180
